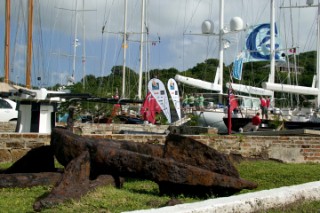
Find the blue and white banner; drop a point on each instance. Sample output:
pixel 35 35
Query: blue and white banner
pixel 174 92
pixel 237 68
pixel 257 47
pixel 158 91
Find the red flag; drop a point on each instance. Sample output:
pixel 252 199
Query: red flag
pixel 149 108
pixel 233 102
pixel 292 50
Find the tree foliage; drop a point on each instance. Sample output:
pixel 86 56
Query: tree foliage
pixel 254 73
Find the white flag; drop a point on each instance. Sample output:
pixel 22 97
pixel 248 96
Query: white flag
pixel 158 91
pixel 174 92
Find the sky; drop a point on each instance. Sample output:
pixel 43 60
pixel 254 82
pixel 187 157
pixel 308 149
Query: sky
pixel 174 38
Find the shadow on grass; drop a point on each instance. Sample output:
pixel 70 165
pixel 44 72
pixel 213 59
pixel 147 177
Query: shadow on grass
pixel 137 186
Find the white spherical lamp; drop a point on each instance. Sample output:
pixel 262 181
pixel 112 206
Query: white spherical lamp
pixel 207 27
pixel 236 24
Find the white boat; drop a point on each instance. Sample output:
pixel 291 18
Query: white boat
pixel 253 51
pixel 303 117
pixel 213 116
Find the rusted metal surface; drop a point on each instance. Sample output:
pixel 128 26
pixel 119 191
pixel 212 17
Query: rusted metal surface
pixel 182 165
pixel 23 180
pixel 192 152
pixel 74 184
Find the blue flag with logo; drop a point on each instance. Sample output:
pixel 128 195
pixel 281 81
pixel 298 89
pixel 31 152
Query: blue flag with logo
pixel 237 68
pixel 257 47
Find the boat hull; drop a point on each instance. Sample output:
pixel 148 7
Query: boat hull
pixel 237 123
pixel 301 125
pixel 212 119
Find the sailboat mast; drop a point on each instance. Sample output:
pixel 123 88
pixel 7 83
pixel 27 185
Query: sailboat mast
pixel 7 43
pixel 272 44
pixel 318 56
pixel 141 49
pixel 75 44
pixel 124 50
pixel 221 21
pixel 147 51
pixel 83 49
pixel 29 45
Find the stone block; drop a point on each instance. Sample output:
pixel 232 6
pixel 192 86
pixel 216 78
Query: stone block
pixel 15 136
pixel 4 136
pixel 5 156
pixel 30 135
pixel 32 145
pixel 3 144
pixel 18 153
pixel 7 126
pixel 15 144
pixel 212 131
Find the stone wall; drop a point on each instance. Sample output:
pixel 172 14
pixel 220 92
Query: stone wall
pixel 291 149
pixel 15 145
pixel 103 128
pixel 8 126
pixel 86 129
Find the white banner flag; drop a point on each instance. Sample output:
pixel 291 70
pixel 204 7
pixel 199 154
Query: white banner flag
pixel 174 92
pixel 158 91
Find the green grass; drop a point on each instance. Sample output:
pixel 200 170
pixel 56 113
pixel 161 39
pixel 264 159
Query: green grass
pixel 270 174
pixel 5 165
pixel 139 194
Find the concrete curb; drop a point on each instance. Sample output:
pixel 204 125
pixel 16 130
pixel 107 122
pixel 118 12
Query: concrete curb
pixel 249 202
